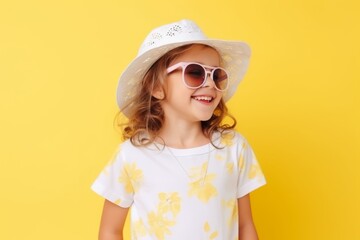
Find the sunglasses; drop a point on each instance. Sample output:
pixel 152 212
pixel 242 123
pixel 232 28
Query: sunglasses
pixel 194 75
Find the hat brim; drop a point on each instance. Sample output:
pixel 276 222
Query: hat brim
pixel 235 57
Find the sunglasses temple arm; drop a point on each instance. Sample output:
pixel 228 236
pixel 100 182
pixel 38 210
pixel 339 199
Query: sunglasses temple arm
pixel 172 68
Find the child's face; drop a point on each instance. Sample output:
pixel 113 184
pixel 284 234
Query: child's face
pixel 193 105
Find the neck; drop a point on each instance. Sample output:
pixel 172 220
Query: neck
pixel 182 134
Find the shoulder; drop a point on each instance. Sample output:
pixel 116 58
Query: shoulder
pixel 229 138
pixel 125 149
pixel 126 146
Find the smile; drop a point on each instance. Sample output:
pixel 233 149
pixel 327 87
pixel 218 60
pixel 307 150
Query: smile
pixel 203 98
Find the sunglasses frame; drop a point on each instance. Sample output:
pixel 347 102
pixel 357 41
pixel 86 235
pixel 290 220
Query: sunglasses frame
pixel 183 65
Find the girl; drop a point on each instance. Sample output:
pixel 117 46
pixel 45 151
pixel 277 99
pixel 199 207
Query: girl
pixel 184 173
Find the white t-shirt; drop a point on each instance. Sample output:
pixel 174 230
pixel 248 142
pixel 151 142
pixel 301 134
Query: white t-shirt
pixel 182 193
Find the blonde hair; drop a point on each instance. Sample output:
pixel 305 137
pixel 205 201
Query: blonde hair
pixel 146 115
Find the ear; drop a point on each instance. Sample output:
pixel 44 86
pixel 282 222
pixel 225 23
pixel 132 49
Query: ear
pixel 158 94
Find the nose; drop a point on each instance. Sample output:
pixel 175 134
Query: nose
pixel 208 81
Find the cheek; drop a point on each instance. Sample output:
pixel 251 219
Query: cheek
pixel 175 86
pixel 167 86
pixel 219 97
pixel 170 83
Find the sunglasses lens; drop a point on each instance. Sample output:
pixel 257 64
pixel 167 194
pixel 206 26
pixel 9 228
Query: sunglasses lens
pixel 220 78
pixel 194 75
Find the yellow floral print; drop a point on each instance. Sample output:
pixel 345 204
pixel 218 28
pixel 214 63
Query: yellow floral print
pixel 130 177
pixel 230 167
pixel 139 228
pixel 207 229
pixel 160 221
pixel 200 187
pixel 241 158
pixel 213 235
pixel 233 207
pixel 227 139
pixel 219 157
pixel 254 171
pixel 159 225
pixel 117 201
pixel 169 202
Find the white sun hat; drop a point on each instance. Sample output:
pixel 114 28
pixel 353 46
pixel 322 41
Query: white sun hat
pixel 234 57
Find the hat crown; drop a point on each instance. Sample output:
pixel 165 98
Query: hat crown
pixel 234 58
pixel 181 31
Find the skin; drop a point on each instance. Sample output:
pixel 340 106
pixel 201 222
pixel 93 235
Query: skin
pixel 112 221
pixel 247 230
pixel 183 114
pixel 182 129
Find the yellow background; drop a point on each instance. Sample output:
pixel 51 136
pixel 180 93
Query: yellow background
pixel 298 107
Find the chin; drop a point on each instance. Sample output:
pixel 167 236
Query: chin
pixel 205 117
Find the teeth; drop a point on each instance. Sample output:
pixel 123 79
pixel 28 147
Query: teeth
pixel 203 98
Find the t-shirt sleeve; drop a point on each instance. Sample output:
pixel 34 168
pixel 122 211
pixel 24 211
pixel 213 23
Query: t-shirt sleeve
pixel 113 183
pixel 250 175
